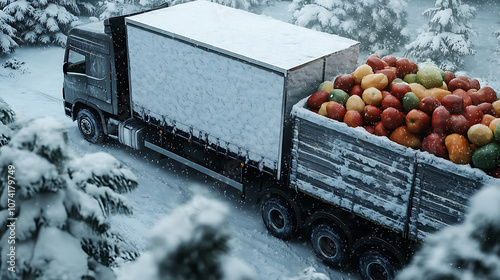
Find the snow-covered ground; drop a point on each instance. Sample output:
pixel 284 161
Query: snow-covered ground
pixel 35 91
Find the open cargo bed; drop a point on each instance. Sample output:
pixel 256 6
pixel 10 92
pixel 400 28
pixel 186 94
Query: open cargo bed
pixel 409 191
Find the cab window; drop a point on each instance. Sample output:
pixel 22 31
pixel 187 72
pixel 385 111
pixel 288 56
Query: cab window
pixel 97 67
pixel 76 62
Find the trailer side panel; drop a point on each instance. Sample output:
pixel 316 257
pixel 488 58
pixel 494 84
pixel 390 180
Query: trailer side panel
pixel 442 193
pixel 221 99
pixel 344 167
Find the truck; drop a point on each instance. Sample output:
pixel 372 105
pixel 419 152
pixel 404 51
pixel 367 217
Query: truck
pixel 224 91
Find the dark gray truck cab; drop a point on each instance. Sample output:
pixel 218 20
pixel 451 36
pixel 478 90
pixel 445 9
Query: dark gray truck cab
pixel 95 72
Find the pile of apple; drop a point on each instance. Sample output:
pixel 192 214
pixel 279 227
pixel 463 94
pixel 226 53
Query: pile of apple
pixel 417 106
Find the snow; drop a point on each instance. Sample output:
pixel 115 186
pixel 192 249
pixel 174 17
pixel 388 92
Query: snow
pixel 199 221
pixel 280 45
pixel 60 254
pixel 95 165
pixel 484 207
pixel 199 212
pixel 33 171
pixel 310 274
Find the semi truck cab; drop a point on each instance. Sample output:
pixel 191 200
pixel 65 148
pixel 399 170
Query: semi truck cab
pixel 96 77
pixel 87 68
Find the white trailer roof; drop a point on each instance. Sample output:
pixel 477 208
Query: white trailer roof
pixel 256 38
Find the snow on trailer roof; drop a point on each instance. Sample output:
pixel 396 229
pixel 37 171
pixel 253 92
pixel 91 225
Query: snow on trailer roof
pixel 255 38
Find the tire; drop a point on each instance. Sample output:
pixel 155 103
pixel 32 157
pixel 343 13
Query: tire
pixel 329 246
pixel 279 217
pixel 90 126
pixel 374 265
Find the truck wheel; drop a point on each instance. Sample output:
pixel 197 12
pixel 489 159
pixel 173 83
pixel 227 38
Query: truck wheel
pixel 278 217
pixel 328 245
pixel 90 126
pixel 374 265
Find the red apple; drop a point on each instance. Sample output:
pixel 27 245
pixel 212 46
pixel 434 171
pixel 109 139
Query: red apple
pixel 487 94
pixel 371 114
pixel 370 129
pixel 400 89
pixel 356 90
pixel 487 108
pixel 465 96
pixel 393 69
pixel 428 104
pixel 459 124
pixel 473 114
pixel 344 82
pixel 453 103
pixel 434 144
pixel 335 111
pixel 380 130
pixel 474 96
pixel 417 121
pixel 403 136
pixel 448 77
pixel 391 76
pixel 353 118
pixel 390 60
pixel 392 118
pixel 457 83
pixel 375 62
pixel 385 93
pixel 404 66
pixel 441 120
pixel 391 101
pixel 474 83
pixel 315 100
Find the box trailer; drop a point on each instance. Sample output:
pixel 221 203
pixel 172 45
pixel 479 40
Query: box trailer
pixel 225 78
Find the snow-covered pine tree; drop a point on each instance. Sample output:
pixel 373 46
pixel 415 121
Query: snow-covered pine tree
pixel 497 49
pixel 58 205
pixel 7 32
pixel 380 25
pixel 248 5
pixel 309 273
pixel 470 250
pixel 42 21
pixel 191 243
pixel 112 8
pixel 7 117
pixel 447 36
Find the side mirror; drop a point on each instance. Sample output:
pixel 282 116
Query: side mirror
pixel 65 68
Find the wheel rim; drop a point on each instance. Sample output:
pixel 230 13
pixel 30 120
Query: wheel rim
pixel 277 219
pixel 327 247
pixel 375 270
pixel 86 126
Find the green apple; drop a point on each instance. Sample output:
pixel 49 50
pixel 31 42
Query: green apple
pixel 338 96
pixel 410 101
pixel 430 77
pixel 410 78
